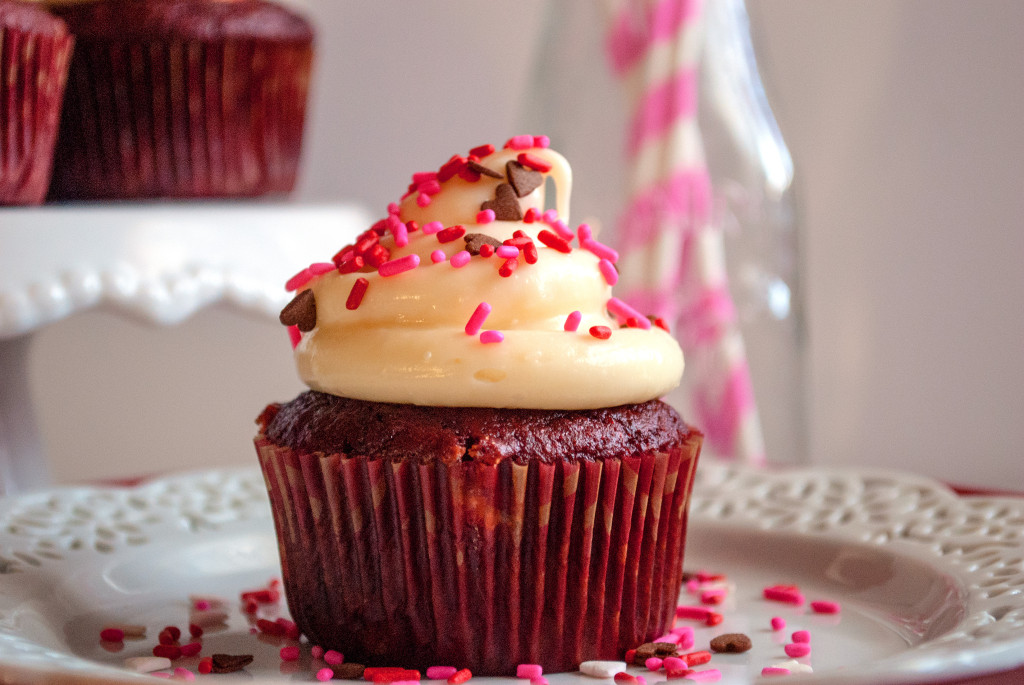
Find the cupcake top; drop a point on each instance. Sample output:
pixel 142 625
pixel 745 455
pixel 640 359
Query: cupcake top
pixel 471 293
pixel 184 19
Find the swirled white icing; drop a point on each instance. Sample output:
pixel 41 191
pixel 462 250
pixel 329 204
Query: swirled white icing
pixel 407 341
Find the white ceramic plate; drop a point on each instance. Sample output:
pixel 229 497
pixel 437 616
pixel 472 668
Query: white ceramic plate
pixel 932 585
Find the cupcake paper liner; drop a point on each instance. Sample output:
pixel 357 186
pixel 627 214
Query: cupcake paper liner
pixel 33 72
pixel 182 118
pixel 480 566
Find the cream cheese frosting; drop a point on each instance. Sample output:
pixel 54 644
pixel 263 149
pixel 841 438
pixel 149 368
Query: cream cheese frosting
pixel 480 297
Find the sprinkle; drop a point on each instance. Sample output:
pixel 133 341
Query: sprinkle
pixel 393 208
pixel 531 215
pixel 675 673
pixel 774 670
pixel 797 649
pixel 451 233
pixel 670 638
pixel 191 649
pixel 214 617
pixel 607 269
pixel 600 249
pixel 624 311
pixel 601 332
pixel 316 651
pixel 333 658
pixel 508 267
pixel 482 151
pixel 442 672
pixel 194 630
pixel 355 295
pixel 485 216
pixel 778 623
pixel 423 200
pixel 476 320
pixel 539 680
pixel 625 678
pixel 507 251
pixel 397 266
pixel 491 337
pixel 629 655
pixel 146 664
pixel 549 216
pixel 421 177
pixel 541 141
pixel 298 280
pixel 653 664
pixel 696 658
pixel 352 265
pixel 171 652
pixel 290 653
pixel 529 671
pixel 460 677
pixel 270 627
pixel 530 253
pixel 784 593
pixel 205 665
pixel 584 232
pixel 602 669
pixel 803 636
pixel 534 162
pixel 674 662
pixel 714 596
pixel 430 186
pixel 823 607
pixel 182 673
pixel 561 229
pixel 461 259
pixel 112 635
pixel 432 227
pixel 174 632
pixel 519 143
pixel 660 323
pixel 713 619
pixel 438 256
pixel 554 242
pixel 324 674
pixel 708 676
pixel 794 666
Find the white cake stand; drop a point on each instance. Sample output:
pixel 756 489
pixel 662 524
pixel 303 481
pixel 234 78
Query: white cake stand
pixel 161 262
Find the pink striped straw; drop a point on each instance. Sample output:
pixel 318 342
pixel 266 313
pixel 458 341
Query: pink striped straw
pixel 651 45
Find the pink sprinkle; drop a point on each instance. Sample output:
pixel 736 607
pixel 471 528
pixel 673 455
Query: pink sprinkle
pixel 624 311
pixel 822 607
pixel 316 651
pixel 692 586
pixel 485 216
pixel 600 249
pixel 698 613
pixel 430 186
pixel 181 673
pixel 298 280
pixel 397 266
pixel 460 259
pixel 432 227
pixel 672 663
pixel 561 229
pixel 686 641
pixel 584 232
pixel 321 268
pixel 333 658
pixel 421 177
pixel 641 680
pixel 549 216
pixel 324 674
pixel 797 649
pixel 529 671
pixel 539 680
pixel 438 256
pixel 607 269
pixel 400 231
pixel 289 653
pixel 712 596
pixel 653 663
pixel 784 593
pixel 707 676
pixel 778 623
pixel 423 200
pixel 803 636
pixel 393 208
pixel 682 630
pixel 491 337
pixel 541 141
pixel 670 637
pixel 507 251
pixel 477 318
pixel 441 672
pixel 572 322
pixel 520 142
pixel 774 670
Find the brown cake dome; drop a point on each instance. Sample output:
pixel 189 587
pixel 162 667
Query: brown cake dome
pixel 182 99
pixel 35 49
pixel 481 474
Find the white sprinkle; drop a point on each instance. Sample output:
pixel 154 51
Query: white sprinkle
pixel 146 664
pixel 794 666
pixel 602 669
pixel 205 618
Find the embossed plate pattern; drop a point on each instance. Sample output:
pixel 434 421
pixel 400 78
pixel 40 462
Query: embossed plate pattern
pixel 932 584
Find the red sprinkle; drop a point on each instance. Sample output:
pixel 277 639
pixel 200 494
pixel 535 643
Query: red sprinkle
pixel 534 162
pixel 355 296
pixel 531 215
pixel 696 658
pixel 714 618
pixel 171 652
pixel 191 649
pixel 270 627
pixel 601 332
pixel 698 613
pixel 352 265
pixel 482 151
pixel 541 141
pixel 112 635
pixel 290 653
pixel 451 233
pixel 784 593
pixel 205 665
pixel 166 637
pixel 460 677
pixel 630 654
pixel 509 267
pixel 251 606
pixel 623 677
pixel 486 250
pixel 553 241
pixel 194 630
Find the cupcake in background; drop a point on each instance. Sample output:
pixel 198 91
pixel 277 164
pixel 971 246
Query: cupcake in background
pixel 35 48
pixel 182 99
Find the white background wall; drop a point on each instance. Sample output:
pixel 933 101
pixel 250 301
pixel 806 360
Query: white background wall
pixel 904 120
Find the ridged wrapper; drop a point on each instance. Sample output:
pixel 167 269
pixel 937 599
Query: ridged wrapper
pixel 398 562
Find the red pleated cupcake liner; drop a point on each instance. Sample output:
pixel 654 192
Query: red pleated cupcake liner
pixel 481 566
pixel 33 73
pixel 182 119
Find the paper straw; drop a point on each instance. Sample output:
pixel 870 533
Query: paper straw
pixel 673 257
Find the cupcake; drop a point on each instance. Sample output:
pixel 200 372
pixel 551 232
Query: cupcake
pixel 481 474
pixel 182 99
pixel 35 48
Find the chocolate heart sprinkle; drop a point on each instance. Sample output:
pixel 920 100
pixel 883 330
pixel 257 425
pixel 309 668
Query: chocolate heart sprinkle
pixel 481 169
pixel 505 205
pixel 229 663
pixel 301 312
pixel 523 180
pixel 475 240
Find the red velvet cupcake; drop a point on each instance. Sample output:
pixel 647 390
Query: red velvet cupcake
pixel 182 99
pixel 481 474
pixel 35 49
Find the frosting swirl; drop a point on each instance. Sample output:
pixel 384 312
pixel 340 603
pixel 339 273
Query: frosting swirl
pixel 435 324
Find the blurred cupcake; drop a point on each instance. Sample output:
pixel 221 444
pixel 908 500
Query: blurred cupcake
pixel 182 99
pixel 35 48
pixel 481 474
